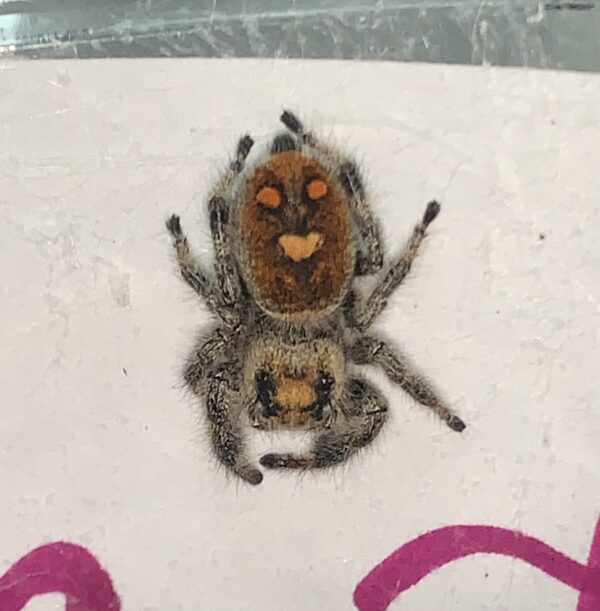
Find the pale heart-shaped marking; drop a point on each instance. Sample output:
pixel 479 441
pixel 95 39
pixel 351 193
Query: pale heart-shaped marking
pixel 300 247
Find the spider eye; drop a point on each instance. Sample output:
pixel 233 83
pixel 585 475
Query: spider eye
pixel 265 382
pixel 325 382
pixel 316 189
pixel 269 197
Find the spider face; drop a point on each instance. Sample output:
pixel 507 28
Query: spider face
pixel 296 237
pixel 293 385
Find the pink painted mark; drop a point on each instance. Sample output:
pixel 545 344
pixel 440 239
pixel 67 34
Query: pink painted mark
pixel 419 557
pixel 62 568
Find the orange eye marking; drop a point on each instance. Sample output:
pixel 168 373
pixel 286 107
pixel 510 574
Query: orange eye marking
pixel 269 196
pixel 316 189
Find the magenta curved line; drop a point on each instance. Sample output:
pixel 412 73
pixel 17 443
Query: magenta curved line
pixel 419 557
pixel 63 568
pixel 590 601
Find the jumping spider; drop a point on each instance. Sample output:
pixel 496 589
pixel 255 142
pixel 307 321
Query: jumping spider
pixel 292 236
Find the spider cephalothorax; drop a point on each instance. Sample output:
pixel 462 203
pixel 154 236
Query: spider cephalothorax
pixel 293 383
pixel 293 235
pixel 295 227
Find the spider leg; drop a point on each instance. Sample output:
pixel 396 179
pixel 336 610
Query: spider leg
pixel 209 376
pixel 291 121
pixel 224 299
pixel 369 350
pixel 356 425
pixel 225 429
pixel 192 271
pixel 219 206
pixel 362 313
pixel 369 257
pixel 210 350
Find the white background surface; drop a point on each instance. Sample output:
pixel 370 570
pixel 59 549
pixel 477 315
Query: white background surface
pixel 99 444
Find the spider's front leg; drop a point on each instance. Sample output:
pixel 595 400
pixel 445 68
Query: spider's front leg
pixel 225 427
pixel 368 350
pixel 362 313
pixel 191 270
pixel 219 207
pixel 357 424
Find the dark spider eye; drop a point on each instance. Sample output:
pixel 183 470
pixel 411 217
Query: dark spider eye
pixel 265 382
pixel 325 382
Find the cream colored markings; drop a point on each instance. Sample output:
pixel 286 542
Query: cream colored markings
pixel 299 247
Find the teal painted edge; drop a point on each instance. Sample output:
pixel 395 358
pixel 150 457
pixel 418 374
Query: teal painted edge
pixel 556 35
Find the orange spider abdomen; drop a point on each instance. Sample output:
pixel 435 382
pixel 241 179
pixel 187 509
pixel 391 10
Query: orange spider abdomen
pixel 296 236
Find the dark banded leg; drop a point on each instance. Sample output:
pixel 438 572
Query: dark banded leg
pixel 225 429
pixel 365 311
pixel 356 426
pixel 219 207
pixel 192 271
pixel 370 350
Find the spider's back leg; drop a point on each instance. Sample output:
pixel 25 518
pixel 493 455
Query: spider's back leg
pixel 225 428
pixel 370 350
pixel 361 419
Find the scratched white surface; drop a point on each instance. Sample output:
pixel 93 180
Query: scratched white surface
pixel 99 445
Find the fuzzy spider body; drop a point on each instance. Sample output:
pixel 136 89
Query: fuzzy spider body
pixel 295 246
pixel 292 237
pixel 293 381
